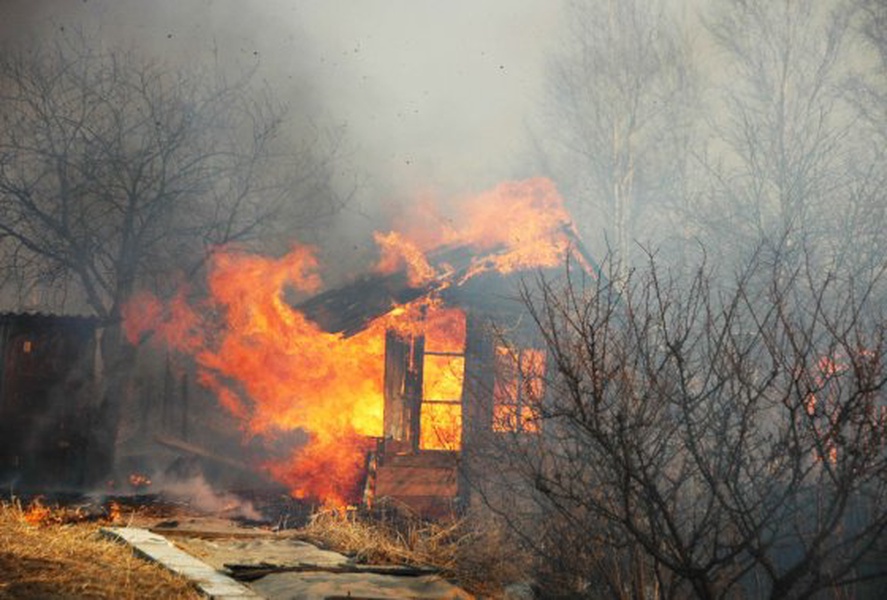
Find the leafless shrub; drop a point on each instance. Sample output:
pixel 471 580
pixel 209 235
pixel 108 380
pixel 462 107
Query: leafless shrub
pixel 702 438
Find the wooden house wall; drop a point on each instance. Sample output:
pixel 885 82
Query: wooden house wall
pixel 45 380
pixel 433 482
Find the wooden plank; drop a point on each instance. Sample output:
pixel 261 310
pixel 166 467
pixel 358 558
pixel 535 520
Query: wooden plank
pixel 401 488
pixel 444 459
pixel 416 474
pixel 398 483
pixel 195 450
pixel 432 507
pixel 251 572
pixel 406 490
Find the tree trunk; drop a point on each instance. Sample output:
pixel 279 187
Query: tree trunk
pixel 114 389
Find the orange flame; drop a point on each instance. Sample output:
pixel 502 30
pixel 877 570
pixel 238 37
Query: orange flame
pixel 272 367
pixel 516 225
pixel 37 513
pixel 276 370
pixel 138 480
pixel 398 252
pixel 444 371
pixel 114 512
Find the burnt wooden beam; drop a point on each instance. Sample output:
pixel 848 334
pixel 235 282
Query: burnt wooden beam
pixel 194 450
pixel 350 308
pixel 257 571
pixel 581 253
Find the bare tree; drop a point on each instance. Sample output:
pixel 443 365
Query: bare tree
pixel 115 171
pixel 783 142
pixel 703 439
pixel 865 214
pixel 871 92
pixel 787 154
pixel 622 98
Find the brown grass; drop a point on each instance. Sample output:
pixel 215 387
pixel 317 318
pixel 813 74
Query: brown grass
pixel 474 552
pixel 50 553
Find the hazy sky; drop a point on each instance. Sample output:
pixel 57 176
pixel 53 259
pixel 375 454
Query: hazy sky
pixel 434 95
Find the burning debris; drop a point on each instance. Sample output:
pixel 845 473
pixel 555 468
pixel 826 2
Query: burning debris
pixel 139 481
pixel 41 511
pixel 318 365
pixel 169 503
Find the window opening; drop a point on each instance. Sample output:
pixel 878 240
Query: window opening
pixel 440 426
pixel 518 389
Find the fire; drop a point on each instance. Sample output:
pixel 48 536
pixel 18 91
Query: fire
pixel 138 480
pixel 37 513
pixel 276 370
pixel 516 225
pixel 444 371
pixel 397 252
pixel 114 512
pixel 517 393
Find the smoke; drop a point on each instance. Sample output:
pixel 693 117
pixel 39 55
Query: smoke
pixel 430 100
pixel 430 97
pixel 199 495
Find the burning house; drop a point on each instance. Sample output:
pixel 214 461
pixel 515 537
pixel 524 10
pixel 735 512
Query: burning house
pixel 462 363
pixel 412 365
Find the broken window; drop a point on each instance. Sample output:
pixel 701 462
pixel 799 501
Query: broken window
pixel 518 389
pixel 443 375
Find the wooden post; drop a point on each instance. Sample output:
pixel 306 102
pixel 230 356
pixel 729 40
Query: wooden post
pixel 167 394
pixel 413 388
pixel 394 419
pixel 5 327
pixel 477 389
pixel 402 389
pixel 185 406
pixel 477 399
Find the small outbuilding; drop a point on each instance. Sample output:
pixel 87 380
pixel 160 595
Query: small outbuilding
pixel 473 369
pixel 46 380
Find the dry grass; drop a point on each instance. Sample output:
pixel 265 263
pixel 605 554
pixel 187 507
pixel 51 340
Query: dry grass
pixel 55 553
pixel 59 553
pixel 475 552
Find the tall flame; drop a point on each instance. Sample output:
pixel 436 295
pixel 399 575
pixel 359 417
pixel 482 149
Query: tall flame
pixel 276 370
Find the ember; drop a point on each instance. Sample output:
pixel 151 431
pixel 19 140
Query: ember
pixel 275 368
pixel 138 480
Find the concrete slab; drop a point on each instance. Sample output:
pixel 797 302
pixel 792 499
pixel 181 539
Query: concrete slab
pixel 278 551
pixel 284 551
pixel 319 586
pixel 158 549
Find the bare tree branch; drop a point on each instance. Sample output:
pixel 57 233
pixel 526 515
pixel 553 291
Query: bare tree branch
pixel 729 432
